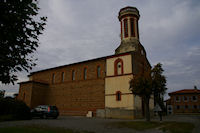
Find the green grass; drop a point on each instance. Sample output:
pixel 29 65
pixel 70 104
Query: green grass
pixel 178 127
pixel 172 127
pixel 37 129
pixel 139 125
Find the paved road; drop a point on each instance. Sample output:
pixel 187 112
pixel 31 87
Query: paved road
pixel 97 125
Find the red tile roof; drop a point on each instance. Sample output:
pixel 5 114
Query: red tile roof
pixel 185 91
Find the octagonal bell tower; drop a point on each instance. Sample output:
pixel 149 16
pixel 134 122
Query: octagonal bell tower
pixel 128 18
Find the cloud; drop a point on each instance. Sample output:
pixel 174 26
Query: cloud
pixel 81 30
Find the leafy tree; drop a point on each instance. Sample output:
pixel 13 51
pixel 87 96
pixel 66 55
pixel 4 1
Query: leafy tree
pixel 2 93
pixel 158 84
pixel 141 85
pixel 195 87
pixel 20 27
pixel 148 83
pixel 16 110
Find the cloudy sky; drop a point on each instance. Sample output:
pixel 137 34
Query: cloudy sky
pixel 79 30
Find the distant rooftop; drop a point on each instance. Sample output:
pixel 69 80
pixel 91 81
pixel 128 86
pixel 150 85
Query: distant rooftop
pixel 185 91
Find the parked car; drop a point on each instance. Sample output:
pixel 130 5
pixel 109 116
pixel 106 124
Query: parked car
pixel 45 111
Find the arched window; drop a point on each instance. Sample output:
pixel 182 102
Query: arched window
pixel 62 77
pixel 85 74
pixel 98 72
pixel 118 66
pixel 53 78
pixel 73 74
pixel 125 28
pixel 118 96
pixel 132 27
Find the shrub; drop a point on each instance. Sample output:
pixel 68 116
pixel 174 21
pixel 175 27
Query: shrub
pixel 21 111
pixel 18 110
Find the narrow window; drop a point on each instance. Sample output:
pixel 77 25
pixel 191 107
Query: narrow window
pixel 125 28
pixel 132 27
pixel 137 30
pixel 185 98
pixel 118 96
pixel 186 106
pixel 177 107
pixel 98 72
pixel 194 98
pixel 53 78
pixel 73 74
pixel 118 67
pixel 177 99
pixel 119 70
pixel 62 77
pixel 85 74
pixel 195 106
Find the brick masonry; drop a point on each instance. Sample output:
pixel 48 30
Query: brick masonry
pixel 72 97
pixel 185 106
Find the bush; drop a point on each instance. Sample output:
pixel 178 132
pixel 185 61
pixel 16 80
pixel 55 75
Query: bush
pixel 21 111
pixel 6 118
pixel 18 110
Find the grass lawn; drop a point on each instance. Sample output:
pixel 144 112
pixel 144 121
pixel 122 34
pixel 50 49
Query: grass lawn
pixel 172 127
pixel 37 129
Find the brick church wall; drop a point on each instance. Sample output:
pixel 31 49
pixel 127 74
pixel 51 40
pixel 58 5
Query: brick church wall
pixel 25 92
pixel 38 94
pixel 72 97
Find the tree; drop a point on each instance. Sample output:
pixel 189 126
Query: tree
pixel 195 87
pixel 20 27
pixel 2 93
pixel 141 85
pixel 147 83
pixel 158 84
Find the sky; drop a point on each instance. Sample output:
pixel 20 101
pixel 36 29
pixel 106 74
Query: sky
pixel 79 30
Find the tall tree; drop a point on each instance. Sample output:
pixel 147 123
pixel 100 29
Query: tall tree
pixel 158 84
pixel 20 27
pixel 195 87
pixel 2 94
pixel 141 85
pixel 148 83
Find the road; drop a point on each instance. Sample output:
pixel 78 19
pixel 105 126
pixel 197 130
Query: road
pixel 98 125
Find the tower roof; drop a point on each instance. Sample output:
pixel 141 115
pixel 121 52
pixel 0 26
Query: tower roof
pixel 128 11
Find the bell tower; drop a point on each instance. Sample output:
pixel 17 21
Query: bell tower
pixel 128 18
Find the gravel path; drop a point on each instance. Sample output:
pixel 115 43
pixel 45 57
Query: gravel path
pixel 97 125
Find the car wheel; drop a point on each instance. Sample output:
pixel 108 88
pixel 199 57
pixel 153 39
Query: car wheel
pixel 44 116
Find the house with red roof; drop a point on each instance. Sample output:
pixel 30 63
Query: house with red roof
pixel 184 101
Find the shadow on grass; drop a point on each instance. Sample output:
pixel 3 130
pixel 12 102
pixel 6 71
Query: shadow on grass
pixel 172 127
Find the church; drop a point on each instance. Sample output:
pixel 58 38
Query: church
pixel 99 86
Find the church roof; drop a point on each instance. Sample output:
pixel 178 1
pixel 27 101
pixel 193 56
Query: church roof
pixel 30 81
pixel 100 58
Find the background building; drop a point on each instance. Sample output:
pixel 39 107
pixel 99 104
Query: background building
pixel 99 85
pixel 184 101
